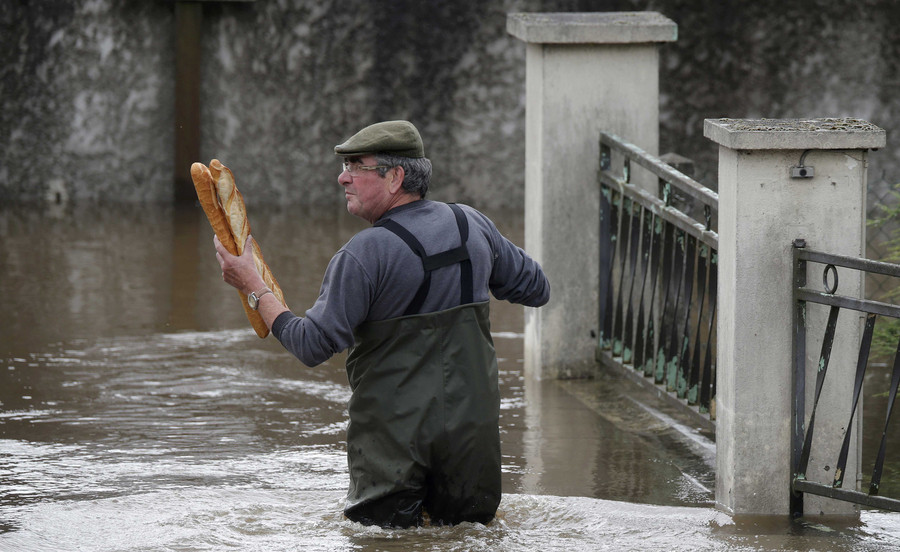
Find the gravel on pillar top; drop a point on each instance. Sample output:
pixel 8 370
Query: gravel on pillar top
pixel 592 28
pixel 776 134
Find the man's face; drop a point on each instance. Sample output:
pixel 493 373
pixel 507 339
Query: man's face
pixel 367 193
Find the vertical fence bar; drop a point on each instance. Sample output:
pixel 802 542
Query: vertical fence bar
pixel 604 275
pixel 694 374
pixel 641 330
pixel 606 255
pixel 684 348
pixel 824 358
pixel 656 254
pixel 840 469
pixel 635 242
pixel 667 302
pixel 619 316
pixel 798 377
pixel 611 201
pixel 892 395
pixel 708 385
pixel 674 341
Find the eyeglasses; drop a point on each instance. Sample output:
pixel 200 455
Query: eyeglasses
pixel 355 168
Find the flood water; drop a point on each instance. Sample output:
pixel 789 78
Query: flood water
pixel 139 412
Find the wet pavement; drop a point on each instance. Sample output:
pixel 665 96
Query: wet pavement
pixel 138 411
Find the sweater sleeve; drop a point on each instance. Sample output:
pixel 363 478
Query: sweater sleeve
pixel 515 276
pixel 327 328
pixel 518 278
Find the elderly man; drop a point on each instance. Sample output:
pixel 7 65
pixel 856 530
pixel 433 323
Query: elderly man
pixel 409 298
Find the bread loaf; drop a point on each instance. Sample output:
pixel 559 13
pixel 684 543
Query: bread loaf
pixel 224 207
pixel 206 193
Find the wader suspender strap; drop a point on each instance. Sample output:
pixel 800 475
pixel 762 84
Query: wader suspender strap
pixel 438 260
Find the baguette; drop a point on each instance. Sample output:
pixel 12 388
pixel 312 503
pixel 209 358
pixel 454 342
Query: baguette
pixel 224 207
pixel 232 203
pixel 206 193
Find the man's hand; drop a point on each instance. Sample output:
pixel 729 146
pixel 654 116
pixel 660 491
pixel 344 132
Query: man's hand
pixel 239 271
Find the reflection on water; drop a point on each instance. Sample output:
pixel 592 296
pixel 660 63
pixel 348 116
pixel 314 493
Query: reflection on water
pixel 139 411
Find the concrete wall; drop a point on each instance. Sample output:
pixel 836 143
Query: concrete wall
pixel 86 99
pixel 86 93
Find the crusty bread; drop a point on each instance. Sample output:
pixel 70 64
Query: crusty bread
pixel 224 207
pixel 232 203
pixel 206 193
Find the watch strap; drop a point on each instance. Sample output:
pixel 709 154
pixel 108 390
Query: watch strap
pixel 255 296
pixel 263 292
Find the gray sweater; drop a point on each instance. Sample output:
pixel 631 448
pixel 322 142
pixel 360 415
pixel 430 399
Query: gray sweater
pixel 375 276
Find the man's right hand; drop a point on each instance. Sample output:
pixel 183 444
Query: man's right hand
pixel 239 271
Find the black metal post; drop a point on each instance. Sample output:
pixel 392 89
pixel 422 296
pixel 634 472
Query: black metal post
pixel 798 378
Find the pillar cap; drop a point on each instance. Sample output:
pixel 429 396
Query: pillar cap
pixel 592 27
pixel 794 134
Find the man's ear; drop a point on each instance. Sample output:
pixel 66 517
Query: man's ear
pixel 396 182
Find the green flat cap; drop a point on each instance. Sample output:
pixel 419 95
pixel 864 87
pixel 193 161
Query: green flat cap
pixel 393 137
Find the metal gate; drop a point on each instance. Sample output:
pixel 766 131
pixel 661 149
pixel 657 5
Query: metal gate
pixel 802 435
pixel 658 278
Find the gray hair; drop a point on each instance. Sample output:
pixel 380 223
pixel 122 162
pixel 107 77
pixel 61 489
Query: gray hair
pixel 417 172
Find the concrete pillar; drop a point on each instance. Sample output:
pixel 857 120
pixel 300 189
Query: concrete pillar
pixel 585 72
pixel 762 209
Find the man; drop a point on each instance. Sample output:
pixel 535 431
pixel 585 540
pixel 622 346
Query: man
pixel 409 298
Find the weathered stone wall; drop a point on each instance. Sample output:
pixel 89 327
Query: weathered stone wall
pixel 775 59
pixel 289 80
pixel 87 87
pixel 86 99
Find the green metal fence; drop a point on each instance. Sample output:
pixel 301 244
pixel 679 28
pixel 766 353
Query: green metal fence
pixel 658 277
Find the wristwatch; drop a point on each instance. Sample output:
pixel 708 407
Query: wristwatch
pixel 255 296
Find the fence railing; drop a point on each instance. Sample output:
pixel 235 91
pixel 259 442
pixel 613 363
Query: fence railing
pixel 803 435
pixel 658 276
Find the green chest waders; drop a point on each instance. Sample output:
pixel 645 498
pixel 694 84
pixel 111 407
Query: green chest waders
pixel 425 408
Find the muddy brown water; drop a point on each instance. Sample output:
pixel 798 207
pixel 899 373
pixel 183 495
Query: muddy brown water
pixel 138 411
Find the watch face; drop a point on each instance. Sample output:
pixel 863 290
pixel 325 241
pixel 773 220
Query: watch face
pixel 253 301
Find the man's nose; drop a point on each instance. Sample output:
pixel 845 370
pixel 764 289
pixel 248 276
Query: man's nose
pixel 344 178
